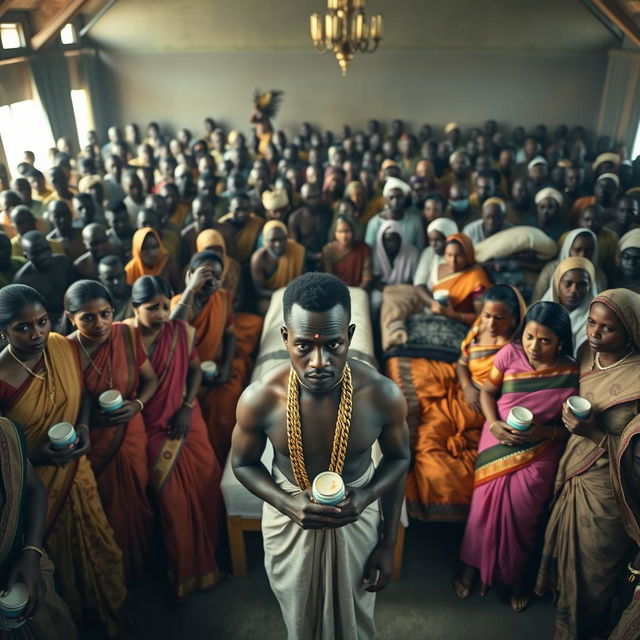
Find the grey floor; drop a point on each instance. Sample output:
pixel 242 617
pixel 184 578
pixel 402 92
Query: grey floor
pixel 422 606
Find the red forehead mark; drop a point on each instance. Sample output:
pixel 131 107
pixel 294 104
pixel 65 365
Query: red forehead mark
pixel 316 336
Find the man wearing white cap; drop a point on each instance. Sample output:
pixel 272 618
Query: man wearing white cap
pixel 538 171
pixel 276 204
pixel 396 193
pixel 605 163
pixel 549 217
pixel 604 193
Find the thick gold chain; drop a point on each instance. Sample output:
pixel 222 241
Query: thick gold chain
pixel 340 436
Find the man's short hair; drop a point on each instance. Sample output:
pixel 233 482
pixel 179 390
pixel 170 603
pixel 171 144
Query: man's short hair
pixel 111 261
pixel 317 292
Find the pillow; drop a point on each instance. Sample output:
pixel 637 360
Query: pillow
pixel 514 240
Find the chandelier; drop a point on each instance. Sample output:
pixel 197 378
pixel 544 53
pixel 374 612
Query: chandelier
pixel 345 31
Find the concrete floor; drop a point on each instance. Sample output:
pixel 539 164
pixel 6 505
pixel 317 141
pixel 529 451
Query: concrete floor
pixel 422 606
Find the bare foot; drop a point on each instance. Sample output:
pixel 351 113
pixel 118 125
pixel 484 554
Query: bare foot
pixel 464 581
pixel 484 589
pixel 519 601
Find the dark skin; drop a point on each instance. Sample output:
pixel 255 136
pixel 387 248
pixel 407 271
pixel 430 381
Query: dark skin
pixel 310 224
pixel 202 283
pixel 114 279
pixel 70 236
pixel 379 414
pixel 50 275
pixel 541 347
pixel 151 318
pixel 26 567
pixel 498 325
pixel 93 325
pixel 27 334
pixel 203 214
pixel 264 262
pixel 573 288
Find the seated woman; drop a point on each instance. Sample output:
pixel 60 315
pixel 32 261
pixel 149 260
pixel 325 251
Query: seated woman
pixel 184 473
pixel 213 240
pixel 113 358
pixel 627 273
pixel 440 484
pixel 23 507
pixel 579 243
pixel 41 383
pixel 347 258
pixel 279 261
pixel 209 309
pixel 574 287
pixel 515 469
pixel 394 261
pixel 150 258
pixel 581 561
pixel 459 276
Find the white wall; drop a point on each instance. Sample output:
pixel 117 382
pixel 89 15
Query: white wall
pixel 180 89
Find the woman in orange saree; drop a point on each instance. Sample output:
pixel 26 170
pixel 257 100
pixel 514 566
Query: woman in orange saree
pixel 209 310
pixel 150 258
pixel 440 483
pixel 41 385
pixel 184 472
pixel 113 358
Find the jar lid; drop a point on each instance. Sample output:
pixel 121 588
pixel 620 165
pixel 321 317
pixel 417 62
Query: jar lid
pixel 17 597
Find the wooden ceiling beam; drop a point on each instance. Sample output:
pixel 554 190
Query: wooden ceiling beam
pixel 49 31
pixel 8 5
pixel 618 14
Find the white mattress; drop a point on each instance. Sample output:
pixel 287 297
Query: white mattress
pixel 238 500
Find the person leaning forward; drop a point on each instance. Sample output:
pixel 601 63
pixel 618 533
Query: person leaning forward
pixel 343 553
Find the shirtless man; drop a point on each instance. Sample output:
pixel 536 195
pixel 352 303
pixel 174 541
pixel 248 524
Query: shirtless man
pixel 64 231
pixel 309 225
pixel 97 246
pixel 345 540
pixel 203 213
pixel 48 273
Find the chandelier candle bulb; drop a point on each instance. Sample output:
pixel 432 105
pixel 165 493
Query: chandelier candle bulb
pixel 62 435
pixel 520 418
pixel 110 400
pixel 12 606
pixel 315 27
pixel 328 488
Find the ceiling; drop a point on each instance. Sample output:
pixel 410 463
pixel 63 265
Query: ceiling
pixel 209 25
pixel 230 25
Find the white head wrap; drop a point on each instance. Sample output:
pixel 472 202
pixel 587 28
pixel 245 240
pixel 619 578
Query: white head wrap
pixel 445 226
pixel 537 160
pixel 395 183
pixel 549 192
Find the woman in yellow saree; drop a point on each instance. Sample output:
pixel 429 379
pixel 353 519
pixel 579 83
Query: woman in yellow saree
pixel 41 385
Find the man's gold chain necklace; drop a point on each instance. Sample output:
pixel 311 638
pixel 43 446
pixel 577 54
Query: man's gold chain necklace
pixel 294 431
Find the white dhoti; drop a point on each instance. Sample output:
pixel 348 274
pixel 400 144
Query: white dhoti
pixel 317 575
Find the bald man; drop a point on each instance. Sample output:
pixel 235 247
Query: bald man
pixel 23 221
pixel 96 242
pixel 70 237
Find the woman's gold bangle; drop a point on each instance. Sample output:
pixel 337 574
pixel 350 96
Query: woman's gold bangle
pixel 31 547
pixel 633 573
pixel 603 442
pixel 190 405
pixel 140 403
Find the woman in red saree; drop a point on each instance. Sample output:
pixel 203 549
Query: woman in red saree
pixel 347 258
pixel 184 472
pixel 113 358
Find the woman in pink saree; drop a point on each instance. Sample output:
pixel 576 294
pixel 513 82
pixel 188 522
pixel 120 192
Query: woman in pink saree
pixel 515 469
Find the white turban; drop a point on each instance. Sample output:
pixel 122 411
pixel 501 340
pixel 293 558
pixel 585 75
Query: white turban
pixel 537 160
pixel 611 176
pixel 630 240
pixel 450 126
pixel 606 157
pixel 445 226
pixel 549 192
pixel 276 199
pixel 395 183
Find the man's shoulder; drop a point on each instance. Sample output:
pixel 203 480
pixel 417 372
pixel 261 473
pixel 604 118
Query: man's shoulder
pixel 81 260
pixel 263 395
pixel 367 379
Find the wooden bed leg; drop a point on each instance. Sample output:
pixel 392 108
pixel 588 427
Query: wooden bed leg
pixel 237 547
pixel 397 554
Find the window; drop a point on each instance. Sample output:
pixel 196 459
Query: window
pixel 636 144
pixel 82 114
pixel 68 34
pixel 24 125
pixel 11 36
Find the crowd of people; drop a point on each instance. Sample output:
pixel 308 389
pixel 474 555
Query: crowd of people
pixel 502 270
